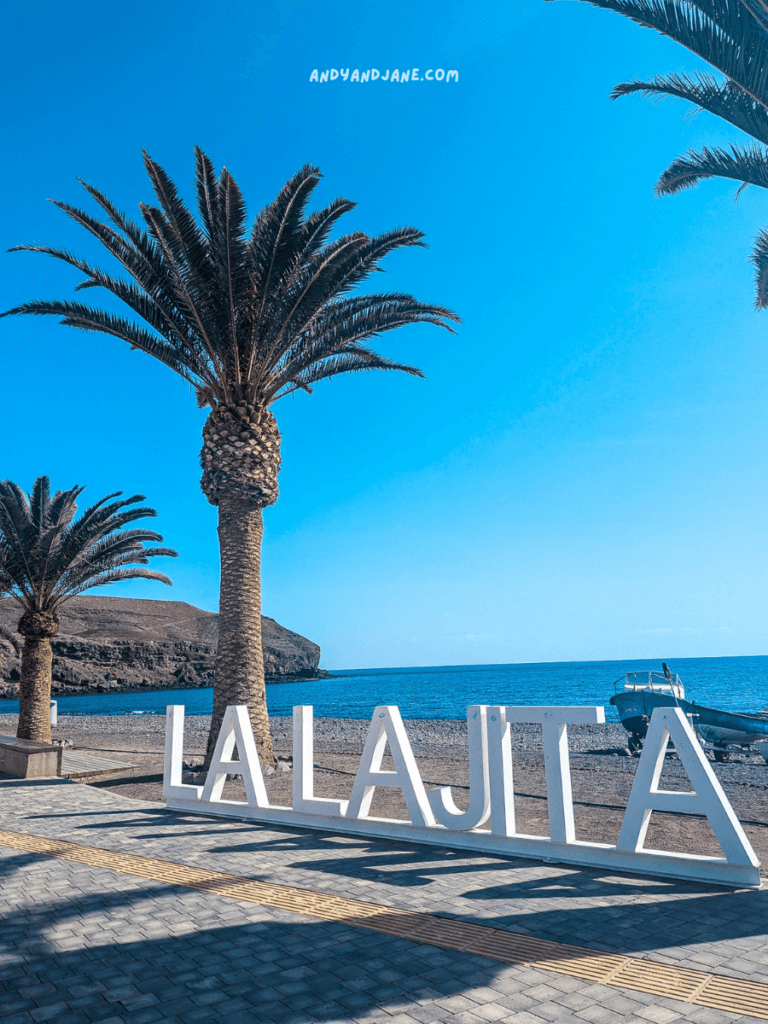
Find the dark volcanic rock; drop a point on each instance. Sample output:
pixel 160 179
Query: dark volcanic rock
pixel 109 644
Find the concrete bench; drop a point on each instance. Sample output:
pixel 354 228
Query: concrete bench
pixel 26 759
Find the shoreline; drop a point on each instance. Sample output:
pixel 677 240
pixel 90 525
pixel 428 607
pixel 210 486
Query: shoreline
pixel 112 688
pixel 427 735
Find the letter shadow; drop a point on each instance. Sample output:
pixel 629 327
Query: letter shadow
pixel 644 913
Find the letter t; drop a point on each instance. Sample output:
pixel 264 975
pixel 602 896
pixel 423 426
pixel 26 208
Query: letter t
pixel 554 723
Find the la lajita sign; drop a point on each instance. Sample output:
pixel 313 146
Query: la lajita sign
pixel 488 824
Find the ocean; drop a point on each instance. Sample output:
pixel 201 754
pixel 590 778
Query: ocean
pixel 732 684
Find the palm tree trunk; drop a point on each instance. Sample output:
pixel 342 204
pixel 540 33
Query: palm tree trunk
pixel 35 690
pixel 239 668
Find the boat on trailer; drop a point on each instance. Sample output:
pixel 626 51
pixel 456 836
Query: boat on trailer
pixel 719 731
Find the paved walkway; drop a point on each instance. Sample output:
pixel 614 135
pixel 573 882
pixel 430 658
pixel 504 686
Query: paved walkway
pixel 80 943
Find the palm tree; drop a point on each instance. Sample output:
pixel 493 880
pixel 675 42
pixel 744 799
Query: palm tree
pixel 246 318
pixel 732 36
pixel 47 557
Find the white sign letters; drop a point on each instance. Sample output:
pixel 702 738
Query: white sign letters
pixel 435 818
pixel 479 810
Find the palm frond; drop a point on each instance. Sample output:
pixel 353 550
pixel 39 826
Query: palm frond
pixel 201 311
pixel 233 270
pixel 746 164
pixel 306 287
pixel 191 242
pixel 352 321
pixel 158 311
pixel 332 274
pixel 316 229
pixel 758 9
pixel 48 554
pixel 273 239
pixel 353 359
pixel 725 33
pixel 11 638
pixel 116 576
pixel 724 99
pixel 227 309
pixel 138 255
pixel 39 503
pixel 732 36
pixel 207 197
pixel 141 243
pixel 759 260
pixel 75 314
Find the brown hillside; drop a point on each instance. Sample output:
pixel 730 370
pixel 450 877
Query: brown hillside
pixel 121 643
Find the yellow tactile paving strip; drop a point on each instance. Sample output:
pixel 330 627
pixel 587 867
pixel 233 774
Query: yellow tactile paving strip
pixel 715 991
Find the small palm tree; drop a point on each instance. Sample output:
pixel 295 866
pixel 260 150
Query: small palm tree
pixel 47 557
pixel 732 36
pixel 246 317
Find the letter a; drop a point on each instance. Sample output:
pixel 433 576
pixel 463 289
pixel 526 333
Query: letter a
pixel 387 726
pixel 479 810
pixel 236 728
pixel 707 798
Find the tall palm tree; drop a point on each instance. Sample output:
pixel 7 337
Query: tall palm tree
pixel 732 36
pixel 47 557
pixel 246 318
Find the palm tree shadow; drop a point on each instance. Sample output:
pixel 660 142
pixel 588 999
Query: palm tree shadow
pixel 11 863
pixel 687 914
pixel 271 967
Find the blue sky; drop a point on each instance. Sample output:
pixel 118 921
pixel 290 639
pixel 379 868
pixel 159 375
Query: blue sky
pixel 582 474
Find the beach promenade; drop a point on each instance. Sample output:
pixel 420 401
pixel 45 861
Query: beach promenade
pixel 189 919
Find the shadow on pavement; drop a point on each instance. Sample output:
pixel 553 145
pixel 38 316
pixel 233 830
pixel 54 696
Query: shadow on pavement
pixel 272 969
pixel 603 910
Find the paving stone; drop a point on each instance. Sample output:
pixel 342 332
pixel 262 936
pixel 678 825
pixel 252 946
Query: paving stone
pixel 540 993
pixel 50 1012
pixel 133 951
pixel 658 1014
pixel 466 1017
pixel 525 1017
pixel 454 1004
pixel 551 1011
pixel 703 1015
pixel 598 1014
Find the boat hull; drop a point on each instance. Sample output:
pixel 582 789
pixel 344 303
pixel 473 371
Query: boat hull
pixel 720 728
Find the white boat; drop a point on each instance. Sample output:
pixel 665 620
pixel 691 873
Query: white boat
pixel 720 731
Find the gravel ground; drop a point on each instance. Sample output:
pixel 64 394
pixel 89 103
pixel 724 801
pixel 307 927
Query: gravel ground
pixel 601 776
pixel 338 735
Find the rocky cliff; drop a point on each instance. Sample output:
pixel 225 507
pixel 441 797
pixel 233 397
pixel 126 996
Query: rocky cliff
pixel 110 644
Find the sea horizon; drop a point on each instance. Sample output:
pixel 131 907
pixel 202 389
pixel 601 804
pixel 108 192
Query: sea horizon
pixel 735 683
pixel 654 663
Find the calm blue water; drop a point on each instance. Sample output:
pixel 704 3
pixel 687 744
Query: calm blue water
pixel 733 684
